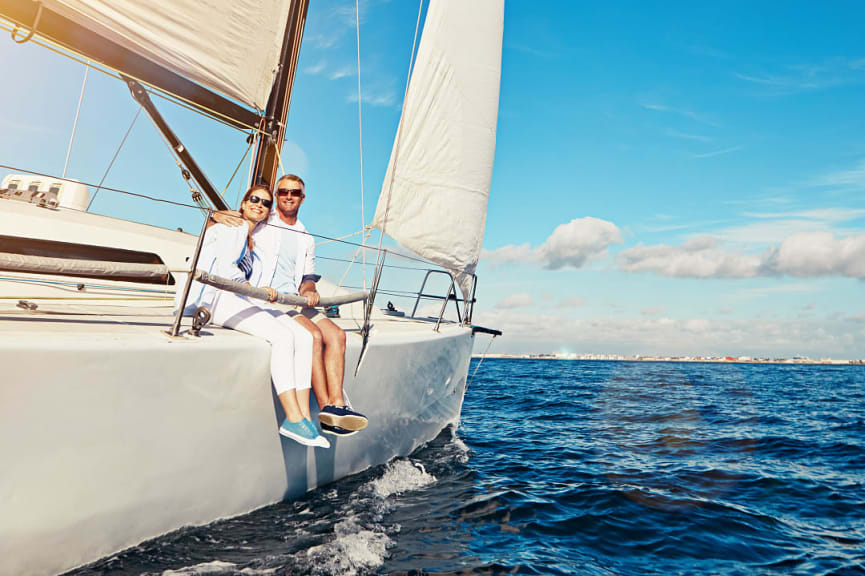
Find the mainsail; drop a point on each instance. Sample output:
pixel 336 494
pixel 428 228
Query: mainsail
pixel 434 197
pixel 230 47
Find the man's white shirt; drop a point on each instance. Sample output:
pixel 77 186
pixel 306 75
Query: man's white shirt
pixel 270 240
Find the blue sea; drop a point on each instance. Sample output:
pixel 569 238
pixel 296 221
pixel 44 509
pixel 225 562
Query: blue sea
pixel 571 467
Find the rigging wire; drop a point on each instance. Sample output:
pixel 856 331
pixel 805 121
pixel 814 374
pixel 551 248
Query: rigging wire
pixel 360 138
pixel 373 264
pixel 239 164
pixel 75 123
pixel 110 164
pixel 252 159
pixel 481 361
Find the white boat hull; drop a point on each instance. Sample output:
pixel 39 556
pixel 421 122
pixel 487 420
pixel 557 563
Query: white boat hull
pixel 109 440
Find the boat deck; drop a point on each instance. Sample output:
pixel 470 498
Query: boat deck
pixel 94 321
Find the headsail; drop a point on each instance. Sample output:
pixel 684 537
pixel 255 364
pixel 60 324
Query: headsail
pixel 231 47
pixel 434 197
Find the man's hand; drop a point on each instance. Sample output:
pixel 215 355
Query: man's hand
pixel 312 298
pixel 271 293
pixel 228 217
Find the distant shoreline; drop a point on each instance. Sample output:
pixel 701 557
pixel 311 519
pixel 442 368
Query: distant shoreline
pixel 689 359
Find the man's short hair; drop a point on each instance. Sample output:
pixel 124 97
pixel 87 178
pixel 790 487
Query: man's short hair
pixel 291 178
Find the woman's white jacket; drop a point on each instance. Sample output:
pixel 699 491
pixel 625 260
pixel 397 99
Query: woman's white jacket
pixel 222 249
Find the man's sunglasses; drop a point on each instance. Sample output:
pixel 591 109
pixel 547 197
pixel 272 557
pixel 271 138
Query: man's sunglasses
pixel 293 192
pixel 255 200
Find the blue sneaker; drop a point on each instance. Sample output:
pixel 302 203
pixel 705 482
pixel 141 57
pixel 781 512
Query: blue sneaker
pixel 302 434
pixel 343 417
pixel 337 431
pixel 320 440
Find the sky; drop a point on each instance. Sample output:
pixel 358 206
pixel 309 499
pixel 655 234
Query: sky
pixel 670 178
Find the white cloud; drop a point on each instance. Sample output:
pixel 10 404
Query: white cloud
pixel 854 177
pixel 820 214
pixel 316 69
pixel 697 258
pixel 384 98
pixel 572 302
pixel 687 135
pixel 515 301
pixel 342 72
pixel 767 228
pixel 657 107
pixel 763 291
pixel 570 245
pixel 818 254
pixel 794 79
pixel 348 13
pixel 770 231
pixel 805 255
pixel 813 336
pixel 322 41
pixel 652 311
pixel 717 152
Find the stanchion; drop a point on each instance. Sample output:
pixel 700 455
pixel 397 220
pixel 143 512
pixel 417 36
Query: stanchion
pixel 175 329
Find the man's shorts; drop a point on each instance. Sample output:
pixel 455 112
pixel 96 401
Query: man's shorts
pixel 311 313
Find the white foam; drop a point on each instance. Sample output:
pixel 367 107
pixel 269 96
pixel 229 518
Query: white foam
pixel 205 568
pixel 462 450
pixel 401 476
pixel 354 549
pixel 218 567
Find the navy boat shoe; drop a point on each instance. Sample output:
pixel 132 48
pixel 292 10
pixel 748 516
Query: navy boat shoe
pixel 343 417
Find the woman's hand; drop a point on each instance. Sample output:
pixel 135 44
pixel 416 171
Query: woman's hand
pixel 271 293
pixel 227 217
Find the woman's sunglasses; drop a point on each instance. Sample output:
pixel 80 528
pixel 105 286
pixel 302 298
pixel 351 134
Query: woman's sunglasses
pixel 255 200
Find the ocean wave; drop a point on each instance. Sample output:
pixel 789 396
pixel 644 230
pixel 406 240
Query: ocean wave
pixel 355 549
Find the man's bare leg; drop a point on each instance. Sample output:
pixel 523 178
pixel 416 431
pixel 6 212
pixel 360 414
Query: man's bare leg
pixel 336 418
pixel 334 359
pixel 319 376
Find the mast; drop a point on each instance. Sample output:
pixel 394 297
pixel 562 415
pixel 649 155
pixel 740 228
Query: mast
pixel 273 133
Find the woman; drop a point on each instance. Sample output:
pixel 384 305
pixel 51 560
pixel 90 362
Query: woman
pixel 228 252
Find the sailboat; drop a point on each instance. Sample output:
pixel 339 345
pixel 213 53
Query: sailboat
pixel 120 421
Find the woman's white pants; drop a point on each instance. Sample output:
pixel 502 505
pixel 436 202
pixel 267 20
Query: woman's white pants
pixel 291 343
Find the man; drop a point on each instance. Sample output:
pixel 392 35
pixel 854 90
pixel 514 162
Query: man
pixel 287 254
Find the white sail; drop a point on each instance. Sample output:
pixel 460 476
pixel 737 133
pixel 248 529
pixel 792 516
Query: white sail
pixel 434 197
pixel 229 46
